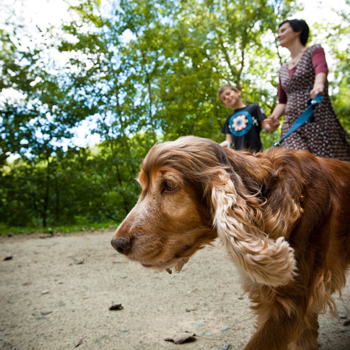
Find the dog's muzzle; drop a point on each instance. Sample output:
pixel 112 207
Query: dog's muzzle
pixel 122 245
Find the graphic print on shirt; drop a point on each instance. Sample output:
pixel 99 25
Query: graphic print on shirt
pixel 240 123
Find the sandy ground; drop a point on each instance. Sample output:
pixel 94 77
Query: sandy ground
pixel 56 293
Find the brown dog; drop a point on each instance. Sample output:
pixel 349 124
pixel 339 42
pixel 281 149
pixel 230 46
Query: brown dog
pixel 283 216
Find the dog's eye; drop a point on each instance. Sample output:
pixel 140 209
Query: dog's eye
pixel 169 186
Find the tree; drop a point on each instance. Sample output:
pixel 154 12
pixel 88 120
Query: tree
pixel 36 125
pixel 142 71
pixel 164 77
pixel 339 42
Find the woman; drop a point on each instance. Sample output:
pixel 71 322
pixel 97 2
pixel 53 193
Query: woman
pixel 302 78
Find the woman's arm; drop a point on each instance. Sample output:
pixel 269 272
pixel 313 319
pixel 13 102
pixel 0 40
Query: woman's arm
pixel 282 101
pixel 278 111
pixel 319 83
pixel 321 71
pixel 273 121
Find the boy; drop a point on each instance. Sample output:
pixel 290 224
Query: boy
pixel 243 126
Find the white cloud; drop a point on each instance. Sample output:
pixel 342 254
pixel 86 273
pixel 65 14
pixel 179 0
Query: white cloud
pixel 321 10
pixel 36 12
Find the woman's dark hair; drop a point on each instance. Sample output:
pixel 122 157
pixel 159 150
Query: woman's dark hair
pixel 299 25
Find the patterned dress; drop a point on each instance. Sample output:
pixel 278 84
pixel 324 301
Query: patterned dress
pixel 325 137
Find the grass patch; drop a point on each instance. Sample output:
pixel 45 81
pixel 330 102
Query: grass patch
pixel 88 227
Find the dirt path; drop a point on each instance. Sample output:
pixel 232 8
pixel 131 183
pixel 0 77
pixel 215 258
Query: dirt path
pixel 56 293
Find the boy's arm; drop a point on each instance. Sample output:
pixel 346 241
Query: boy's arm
pixel 228 142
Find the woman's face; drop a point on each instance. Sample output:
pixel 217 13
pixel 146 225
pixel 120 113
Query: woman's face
pixel 286 35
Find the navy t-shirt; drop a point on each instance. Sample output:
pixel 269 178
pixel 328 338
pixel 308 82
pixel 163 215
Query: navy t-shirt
pixel 245 125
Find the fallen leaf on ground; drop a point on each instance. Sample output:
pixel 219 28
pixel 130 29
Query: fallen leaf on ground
pixel 182 338
pixel 46 312
pixel 79 343
pixel 116 307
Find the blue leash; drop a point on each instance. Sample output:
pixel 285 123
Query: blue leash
pixel 307 115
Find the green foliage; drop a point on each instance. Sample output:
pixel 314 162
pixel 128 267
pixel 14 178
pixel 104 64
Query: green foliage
pixel 81 225
pixel 144 71
pixel 75 183
pixel 341 103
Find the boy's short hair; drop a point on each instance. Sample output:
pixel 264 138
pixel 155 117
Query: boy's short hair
pixel 223 88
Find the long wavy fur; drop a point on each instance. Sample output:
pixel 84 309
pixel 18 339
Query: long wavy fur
pixel 265 260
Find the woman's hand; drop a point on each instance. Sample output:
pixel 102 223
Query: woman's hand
pixel 317 89
pixel 270 123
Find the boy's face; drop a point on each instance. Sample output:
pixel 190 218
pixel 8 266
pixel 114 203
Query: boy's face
pixel 230 98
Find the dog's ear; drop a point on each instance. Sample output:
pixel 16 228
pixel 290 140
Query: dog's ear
pixel 235 216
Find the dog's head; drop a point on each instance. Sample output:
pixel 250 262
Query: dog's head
pixel 190 195
pixel 170 221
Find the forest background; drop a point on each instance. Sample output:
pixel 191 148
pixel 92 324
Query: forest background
pixel 142 72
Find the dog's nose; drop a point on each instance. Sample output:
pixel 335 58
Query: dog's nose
pixel 121 245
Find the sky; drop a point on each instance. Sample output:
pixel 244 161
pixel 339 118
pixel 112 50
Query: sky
pixel 318 10
pixel 42 13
